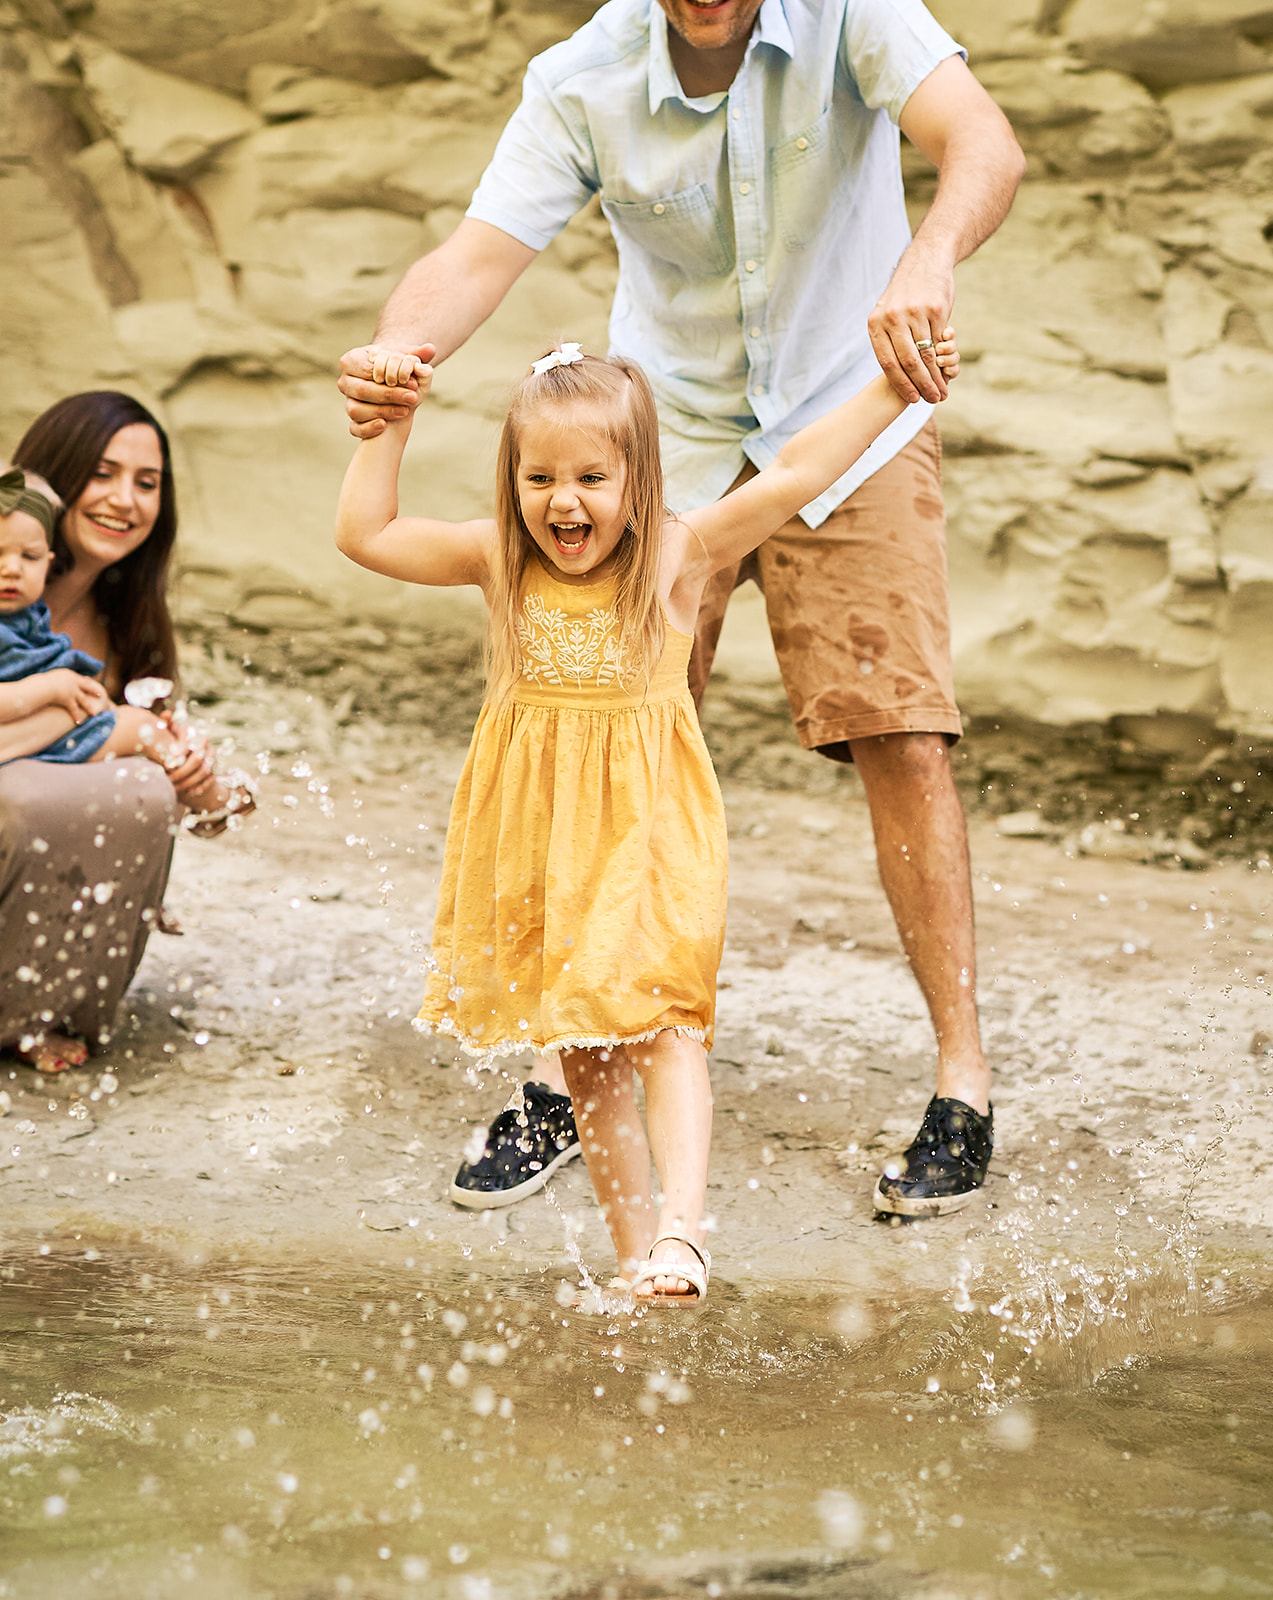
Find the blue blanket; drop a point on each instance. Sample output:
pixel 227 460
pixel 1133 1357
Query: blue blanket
pixel 28 645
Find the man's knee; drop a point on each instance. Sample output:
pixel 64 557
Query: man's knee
pixel 901 757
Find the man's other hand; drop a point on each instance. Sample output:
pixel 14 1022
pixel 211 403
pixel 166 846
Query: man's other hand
pixel 382 385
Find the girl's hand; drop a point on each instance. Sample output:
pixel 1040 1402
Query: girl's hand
pixel 400 369
pixel 947 353
pixel 73 692
pixel 373 403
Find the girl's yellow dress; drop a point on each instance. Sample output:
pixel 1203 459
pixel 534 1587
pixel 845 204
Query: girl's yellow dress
pixel 583 888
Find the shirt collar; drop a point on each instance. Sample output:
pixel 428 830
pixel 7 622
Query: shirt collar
pixel 771 28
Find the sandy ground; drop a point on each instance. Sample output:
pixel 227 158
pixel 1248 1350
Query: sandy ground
pixel 266 1097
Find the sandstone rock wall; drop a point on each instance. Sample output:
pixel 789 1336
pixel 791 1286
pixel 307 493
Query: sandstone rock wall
pixel 206 203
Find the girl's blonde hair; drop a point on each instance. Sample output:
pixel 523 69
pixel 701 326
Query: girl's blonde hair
pixel 620 411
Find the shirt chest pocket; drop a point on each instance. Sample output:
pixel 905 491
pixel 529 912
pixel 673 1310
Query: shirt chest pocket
pixel 802 182
pixel 683 230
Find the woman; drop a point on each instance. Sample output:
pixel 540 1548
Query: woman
pixel 85 850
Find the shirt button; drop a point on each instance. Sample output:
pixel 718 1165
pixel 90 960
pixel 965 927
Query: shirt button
pixel 802 144
pixel 759 389
pixel 755 333
pixel 738 116
pixel 744 188
pixel 659 209
pixel 749 266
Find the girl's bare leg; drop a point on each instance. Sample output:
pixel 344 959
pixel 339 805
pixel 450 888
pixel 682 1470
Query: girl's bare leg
pixel 678 1108
pixel 547 1070
pixel 614 1147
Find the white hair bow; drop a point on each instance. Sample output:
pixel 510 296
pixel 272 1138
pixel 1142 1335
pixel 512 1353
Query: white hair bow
pixel 565 357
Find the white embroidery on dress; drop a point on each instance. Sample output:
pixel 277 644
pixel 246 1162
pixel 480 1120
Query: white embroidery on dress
pixel 557 649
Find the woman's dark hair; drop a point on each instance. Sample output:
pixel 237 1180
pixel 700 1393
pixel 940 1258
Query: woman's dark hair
pixel 64 444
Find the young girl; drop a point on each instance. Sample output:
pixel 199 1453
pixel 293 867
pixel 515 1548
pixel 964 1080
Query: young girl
pixel 582 903
pixel 50 699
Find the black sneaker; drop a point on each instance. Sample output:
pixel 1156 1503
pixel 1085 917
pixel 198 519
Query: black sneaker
pixel 944 1167
pixel 523 1150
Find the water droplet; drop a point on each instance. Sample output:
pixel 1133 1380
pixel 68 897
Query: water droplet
pixel 1013 1428
pixel 843 1520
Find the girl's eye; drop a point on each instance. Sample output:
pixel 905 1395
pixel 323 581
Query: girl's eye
pixel 590 478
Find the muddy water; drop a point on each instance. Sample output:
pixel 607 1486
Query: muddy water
pixel 229 1432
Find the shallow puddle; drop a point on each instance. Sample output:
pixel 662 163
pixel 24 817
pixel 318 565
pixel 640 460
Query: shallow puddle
pixel 230 1432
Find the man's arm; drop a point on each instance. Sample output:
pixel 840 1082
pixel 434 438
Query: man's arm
pixel 956 124
pixel 442 299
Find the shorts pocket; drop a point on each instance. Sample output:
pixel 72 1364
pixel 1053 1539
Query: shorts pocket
pixel 801 184
pixel 684 229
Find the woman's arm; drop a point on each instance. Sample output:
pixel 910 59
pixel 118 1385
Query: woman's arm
pixel 806 466
pixel 415 549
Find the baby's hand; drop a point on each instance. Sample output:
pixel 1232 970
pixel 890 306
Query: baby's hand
pixel 947 353
pixel 81 696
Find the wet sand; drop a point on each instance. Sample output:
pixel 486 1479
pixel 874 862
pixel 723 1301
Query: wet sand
pixel 266 1095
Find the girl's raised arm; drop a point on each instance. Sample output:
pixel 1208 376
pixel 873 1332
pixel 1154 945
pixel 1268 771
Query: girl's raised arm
pixel 806 466
pixel 415 549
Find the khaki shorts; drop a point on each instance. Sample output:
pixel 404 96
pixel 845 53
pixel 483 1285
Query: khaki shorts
pixel 858 609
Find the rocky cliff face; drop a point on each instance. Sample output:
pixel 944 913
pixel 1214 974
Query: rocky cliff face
pixel 206 203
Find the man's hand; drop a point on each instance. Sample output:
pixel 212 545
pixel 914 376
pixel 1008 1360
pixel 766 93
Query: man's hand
pixel 383 385
pixel 956 124
pixel 907 322
pixel 73 692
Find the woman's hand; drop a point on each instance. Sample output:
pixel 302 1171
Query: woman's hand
pixel 194 760
pixel 71 691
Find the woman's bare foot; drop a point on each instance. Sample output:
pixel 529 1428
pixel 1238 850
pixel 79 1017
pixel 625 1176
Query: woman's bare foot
pixel 51 1053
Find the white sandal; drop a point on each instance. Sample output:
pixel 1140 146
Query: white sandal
pixel 694 1274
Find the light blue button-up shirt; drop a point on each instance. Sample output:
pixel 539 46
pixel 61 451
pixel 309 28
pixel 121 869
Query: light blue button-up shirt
pixel 756 229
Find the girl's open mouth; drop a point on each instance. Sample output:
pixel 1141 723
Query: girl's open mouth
pixel 571 537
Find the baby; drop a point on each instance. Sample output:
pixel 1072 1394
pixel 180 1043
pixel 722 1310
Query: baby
pixel 51 705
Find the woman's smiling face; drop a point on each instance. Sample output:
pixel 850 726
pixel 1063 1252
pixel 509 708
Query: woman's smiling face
pixel 572 494
pixel 120 502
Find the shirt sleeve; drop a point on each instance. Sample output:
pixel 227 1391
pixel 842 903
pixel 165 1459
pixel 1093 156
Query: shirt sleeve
pixel 889 47
pixel 543 170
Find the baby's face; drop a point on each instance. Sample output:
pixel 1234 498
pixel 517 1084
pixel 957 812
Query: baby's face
pixel 24 561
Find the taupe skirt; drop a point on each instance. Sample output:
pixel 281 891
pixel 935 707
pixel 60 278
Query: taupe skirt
pixel 84 857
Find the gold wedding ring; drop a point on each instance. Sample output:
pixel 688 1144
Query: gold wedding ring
pixel 923 344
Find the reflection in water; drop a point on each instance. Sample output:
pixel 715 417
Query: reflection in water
pixel 245 1433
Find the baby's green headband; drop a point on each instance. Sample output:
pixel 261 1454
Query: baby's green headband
pixel 15 495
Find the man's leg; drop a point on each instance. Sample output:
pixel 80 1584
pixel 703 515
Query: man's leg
pixel 921 847
pixel 859 615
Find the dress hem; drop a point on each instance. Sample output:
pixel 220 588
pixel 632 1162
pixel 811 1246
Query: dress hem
pixel 508 1047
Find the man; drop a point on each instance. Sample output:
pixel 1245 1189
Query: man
pixel 746 155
